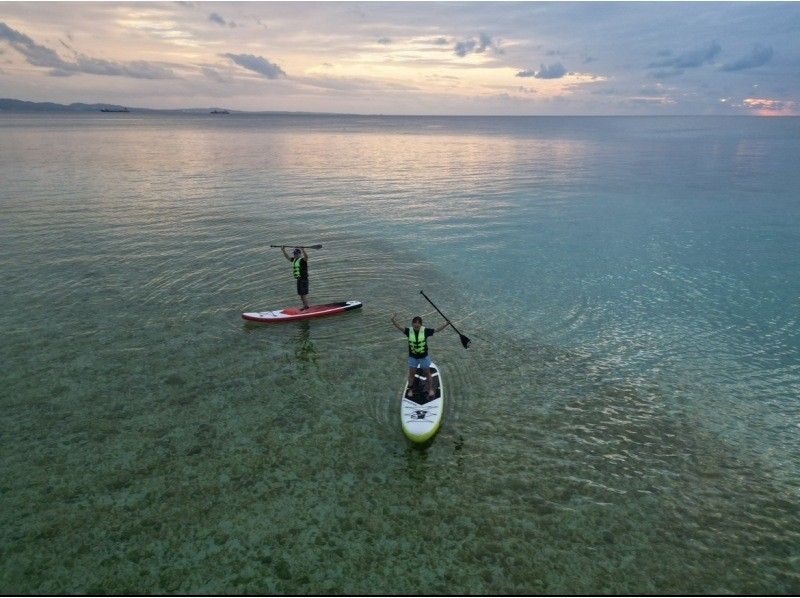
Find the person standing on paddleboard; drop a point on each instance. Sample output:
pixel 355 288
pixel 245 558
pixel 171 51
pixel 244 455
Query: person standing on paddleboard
pixel 418 356
pixel 299 259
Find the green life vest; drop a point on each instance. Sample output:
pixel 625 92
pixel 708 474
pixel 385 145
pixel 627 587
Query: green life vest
pixel 296 267
pixel 417 343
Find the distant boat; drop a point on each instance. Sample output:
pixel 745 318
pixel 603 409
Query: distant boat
pixel 220 112
pixel 114 110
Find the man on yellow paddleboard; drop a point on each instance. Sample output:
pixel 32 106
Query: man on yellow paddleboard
pixel 418 351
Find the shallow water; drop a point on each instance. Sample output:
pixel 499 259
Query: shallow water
pixel 626 420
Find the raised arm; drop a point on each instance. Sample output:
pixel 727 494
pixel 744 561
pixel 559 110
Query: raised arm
pixel 286 255
pixel 396 325
pixel 305 255
pixel 442 327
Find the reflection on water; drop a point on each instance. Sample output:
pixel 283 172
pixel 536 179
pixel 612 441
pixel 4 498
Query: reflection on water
pixel 305 352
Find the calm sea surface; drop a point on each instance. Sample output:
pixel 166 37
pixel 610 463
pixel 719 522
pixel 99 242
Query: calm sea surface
pixel 627 419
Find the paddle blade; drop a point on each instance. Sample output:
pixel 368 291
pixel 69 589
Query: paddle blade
pixel 316 247
pixel 465 341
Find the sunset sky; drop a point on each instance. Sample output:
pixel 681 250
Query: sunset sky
pixel 408 58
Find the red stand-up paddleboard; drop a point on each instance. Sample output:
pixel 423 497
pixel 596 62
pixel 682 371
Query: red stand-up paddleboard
pixel 292 314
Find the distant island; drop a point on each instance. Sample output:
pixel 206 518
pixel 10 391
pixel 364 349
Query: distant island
pixel 11 105
pixel 22 106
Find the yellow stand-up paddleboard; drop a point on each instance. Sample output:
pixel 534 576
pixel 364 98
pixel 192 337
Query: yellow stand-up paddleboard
pixel 421 416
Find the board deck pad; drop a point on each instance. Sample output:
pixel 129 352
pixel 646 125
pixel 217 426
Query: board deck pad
pixel 420 387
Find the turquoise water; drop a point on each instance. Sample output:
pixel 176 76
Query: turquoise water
pixel 626 420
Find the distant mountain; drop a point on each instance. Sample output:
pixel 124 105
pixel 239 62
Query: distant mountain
pixel 10 105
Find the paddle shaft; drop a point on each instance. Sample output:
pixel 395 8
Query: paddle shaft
pixel 446 320
pixel 300 246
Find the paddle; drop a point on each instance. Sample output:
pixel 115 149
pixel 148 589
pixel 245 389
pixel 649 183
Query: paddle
pixel 300 246
pixel 464 340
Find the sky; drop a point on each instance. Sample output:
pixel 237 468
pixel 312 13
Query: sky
pixel 504 58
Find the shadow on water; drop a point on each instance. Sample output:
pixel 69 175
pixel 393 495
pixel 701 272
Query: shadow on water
pixel 250 327
pixel 416 460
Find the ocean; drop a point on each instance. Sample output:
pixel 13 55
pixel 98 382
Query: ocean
pixel 627 419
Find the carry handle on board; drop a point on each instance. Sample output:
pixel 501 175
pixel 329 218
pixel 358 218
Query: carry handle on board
pixel 465 341
pixel 300 246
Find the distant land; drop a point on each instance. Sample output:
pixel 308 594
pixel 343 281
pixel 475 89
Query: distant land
pixel 11 105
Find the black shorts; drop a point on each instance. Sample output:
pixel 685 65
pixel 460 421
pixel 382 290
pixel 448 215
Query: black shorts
pixel 302 286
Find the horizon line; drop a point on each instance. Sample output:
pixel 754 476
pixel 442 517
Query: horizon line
pixel 233 111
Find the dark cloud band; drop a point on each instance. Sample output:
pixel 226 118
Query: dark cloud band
pixel 759 56
pixel 257 64
pixel 553 71
pixel 691 59
pixel 477 46
pixel 39 55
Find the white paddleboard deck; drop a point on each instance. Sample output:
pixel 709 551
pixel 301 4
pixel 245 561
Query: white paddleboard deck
pixel 420 416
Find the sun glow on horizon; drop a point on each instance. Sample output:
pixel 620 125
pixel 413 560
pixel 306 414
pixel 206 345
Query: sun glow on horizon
pixel 771 107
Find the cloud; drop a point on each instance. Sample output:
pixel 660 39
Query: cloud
pixel 464 48
pixel 477 46
pixel 691 59
pixel 258 64
pixel 214 74
pixel 554 71
pixel 651 92
pixel 759 56
pixel 768 104
pixel 609 91
pixel 38 55
pixel 215 17
pixel 138 69
pixel 353 84
pixel 666 74
pixel 35 54
pixel 384 40
pixel 621 39
pixel 13 36
pixel 674 66
pixel 650 101
pixel 442 78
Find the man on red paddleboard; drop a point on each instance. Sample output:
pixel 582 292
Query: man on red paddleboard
pixel 418 351
pixel 299 261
